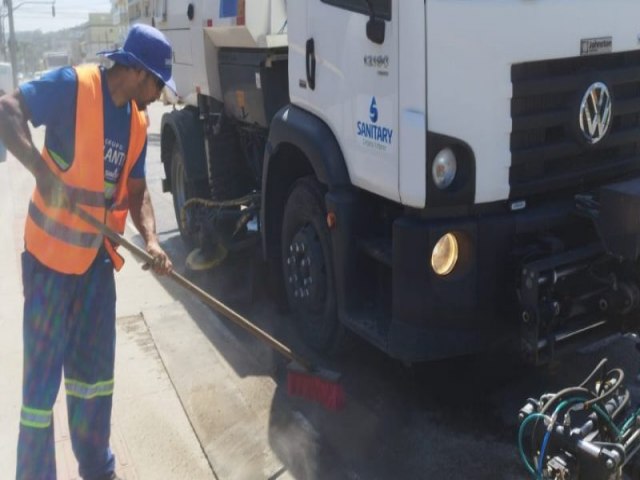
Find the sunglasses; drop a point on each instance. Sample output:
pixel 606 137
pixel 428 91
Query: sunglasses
pixel 159 82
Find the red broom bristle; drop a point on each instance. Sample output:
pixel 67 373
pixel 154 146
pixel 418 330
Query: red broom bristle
pixel 329 394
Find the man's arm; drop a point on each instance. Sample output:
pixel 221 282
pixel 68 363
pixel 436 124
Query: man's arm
pixel 144 219
pixel 15 134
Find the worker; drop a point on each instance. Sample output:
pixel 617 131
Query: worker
pixel 94 159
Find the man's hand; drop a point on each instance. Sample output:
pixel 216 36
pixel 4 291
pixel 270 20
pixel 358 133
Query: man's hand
pixel 161 263
pixel 142 215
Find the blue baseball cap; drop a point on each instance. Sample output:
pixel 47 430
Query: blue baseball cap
pixel 145 47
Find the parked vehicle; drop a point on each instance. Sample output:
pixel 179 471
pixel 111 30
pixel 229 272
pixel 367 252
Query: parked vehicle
pixel 6 78
pixel 435 176
pixel 53 60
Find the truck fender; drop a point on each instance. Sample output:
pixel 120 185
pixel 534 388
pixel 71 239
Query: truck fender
pixel 184 126
pixel 299 144
pixel 295 126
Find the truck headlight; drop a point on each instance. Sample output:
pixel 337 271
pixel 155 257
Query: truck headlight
pixel 445 255
pixel 444 168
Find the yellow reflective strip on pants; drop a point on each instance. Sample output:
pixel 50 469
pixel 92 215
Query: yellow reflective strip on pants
pixel 31 417
pixel 87 391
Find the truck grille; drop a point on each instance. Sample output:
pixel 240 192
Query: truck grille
pixel 548 152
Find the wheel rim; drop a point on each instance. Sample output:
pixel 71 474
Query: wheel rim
pixel 306 272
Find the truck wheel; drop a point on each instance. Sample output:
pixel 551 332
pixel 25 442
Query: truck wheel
pixel 182 190
pixel 308 271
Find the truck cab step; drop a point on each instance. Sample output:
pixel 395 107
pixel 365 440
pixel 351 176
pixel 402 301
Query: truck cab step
pixel 379 249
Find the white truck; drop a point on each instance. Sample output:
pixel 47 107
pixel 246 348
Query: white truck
pixel 436 176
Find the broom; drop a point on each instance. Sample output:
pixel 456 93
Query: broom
pixel 303 379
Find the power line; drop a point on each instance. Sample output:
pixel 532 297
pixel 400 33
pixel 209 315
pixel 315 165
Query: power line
pixel 63 11
pixel 48 14
pixel 37 15
pixel 63 3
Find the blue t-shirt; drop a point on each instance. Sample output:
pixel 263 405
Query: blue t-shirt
pixel 51 100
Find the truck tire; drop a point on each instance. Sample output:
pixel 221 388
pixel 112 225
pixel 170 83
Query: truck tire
pixel 308 269
pixel 182 190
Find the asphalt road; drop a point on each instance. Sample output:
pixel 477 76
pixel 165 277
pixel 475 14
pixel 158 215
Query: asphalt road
pixel 454 419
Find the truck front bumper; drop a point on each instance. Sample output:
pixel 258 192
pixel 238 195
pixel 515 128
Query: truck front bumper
pixel 443 316
pixel 550 277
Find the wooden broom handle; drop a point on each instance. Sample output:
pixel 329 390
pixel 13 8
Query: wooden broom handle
pixel 201 294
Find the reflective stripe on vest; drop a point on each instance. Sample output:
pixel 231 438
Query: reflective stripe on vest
pixel 87 391
pixel 56 237
pixel 34 418
pixel 86 197
pixel 61 162
pixel 62 232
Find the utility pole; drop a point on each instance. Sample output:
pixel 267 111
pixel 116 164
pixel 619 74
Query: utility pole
pixel 3 49
pixel 12 33
pixel 12 44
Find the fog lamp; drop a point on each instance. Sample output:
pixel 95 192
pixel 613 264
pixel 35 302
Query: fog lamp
pixel 445 255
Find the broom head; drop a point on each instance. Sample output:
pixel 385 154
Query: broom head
pixel 318 385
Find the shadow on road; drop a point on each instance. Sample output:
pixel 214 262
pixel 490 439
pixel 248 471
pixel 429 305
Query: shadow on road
pixel 453 419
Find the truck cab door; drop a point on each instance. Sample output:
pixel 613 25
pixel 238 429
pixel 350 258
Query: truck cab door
pixel 351 81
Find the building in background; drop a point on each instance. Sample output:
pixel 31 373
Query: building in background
pixel 130 12
pixel 80 44
pixel 100 34
pixel 37 51
pixel 120 18
pixel 139 11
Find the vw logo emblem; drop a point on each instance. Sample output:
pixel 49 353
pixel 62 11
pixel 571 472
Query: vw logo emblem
pixel 595 112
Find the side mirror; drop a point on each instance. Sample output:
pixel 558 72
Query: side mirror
pixel 375 30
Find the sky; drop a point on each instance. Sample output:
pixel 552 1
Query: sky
pixel 36 14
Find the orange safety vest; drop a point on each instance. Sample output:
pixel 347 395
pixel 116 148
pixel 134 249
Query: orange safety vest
pixel 56 237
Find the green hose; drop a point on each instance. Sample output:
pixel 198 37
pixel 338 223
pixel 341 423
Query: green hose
pixel 526 421
pixel 629 421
